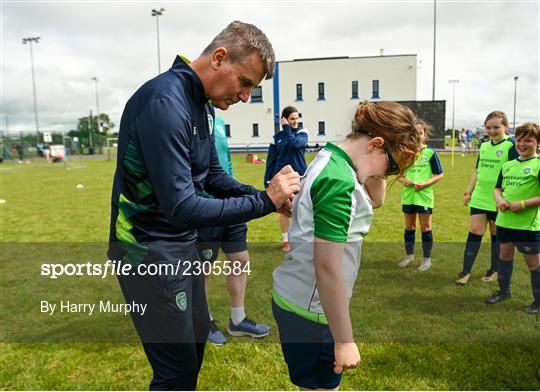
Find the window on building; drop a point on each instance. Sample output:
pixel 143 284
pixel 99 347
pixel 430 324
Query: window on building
pixel 256 94
pixel 321 91
pixel 322 130
pixel 228 130
pixel 354 94
pixel 375 89
pixel 299 92
pixel 255 130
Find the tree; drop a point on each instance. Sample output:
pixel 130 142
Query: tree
pixel 86 123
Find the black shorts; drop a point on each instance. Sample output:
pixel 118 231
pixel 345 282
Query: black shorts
pixel 231 239
pixel 526 241
pixel 308 349
pixel 491 215
pixel 414 209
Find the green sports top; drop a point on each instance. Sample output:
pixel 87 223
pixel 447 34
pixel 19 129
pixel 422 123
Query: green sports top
pixel 490 161
pixel 425 166
pixel 520 181
pixel 222 148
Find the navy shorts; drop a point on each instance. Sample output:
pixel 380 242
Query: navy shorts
pixel 231 239
pixel 308 349
pixel 414 209
pixel 491 215
pixel 526 241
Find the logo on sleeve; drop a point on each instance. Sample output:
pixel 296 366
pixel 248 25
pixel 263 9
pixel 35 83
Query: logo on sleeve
pixel 181 301
pixel 210 123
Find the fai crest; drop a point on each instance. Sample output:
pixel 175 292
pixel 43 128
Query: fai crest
pixel 527 170
pixel 210 124
pixel 499 153
pixel 181 300
pixel 207 254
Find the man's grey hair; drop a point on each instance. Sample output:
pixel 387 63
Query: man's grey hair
pixel 241 40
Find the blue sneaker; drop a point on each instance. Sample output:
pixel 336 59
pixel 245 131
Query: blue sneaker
pixel 248 327
pixel 215 336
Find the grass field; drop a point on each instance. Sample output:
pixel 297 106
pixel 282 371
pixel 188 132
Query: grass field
pixel 416 330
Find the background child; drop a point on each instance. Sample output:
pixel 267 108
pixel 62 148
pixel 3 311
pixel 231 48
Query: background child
pixel 331 216
pixel 479 194
pixel 518 223
pixel 417 198
pixel 288 148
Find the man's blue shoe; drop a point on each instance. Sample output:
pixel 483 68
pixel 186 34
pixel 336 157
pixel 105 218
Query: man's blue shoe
pixel 248 328
pixel 215 336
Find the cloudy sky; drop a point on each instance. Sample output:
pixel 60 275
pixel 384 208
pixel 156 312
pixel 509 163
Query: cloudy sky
pixel 484 44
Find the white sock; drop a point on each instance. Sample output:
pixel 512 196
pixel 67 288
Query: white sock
pixel 237 315
pixel 285 237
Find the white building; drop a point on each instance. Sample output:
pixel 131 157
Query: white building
pixel 326 92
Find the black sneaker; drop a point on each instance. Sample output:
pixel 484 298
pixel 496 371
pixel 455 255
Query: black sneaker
pixel 533 308
pixel 497 296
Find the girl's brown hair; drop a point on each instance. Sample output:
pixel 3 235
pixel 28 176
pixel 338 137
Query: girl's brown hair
pixel 427 127
pixel 498 114
pixel 395 123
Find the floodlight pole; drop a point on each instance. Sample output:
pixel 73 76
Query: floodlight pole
pixel 515 100
pixel 453 82
pixel 29 41
pixel 97 105
pixel 157 14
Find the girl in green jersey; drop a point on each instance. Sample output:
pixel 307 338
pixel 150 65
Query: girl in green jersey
pixel 518 223
pixel 479 194
pixel 417 198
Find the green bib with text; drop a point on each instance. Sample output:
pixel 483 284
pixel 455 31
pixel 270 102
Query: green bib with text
pixel 520 182
pixel 490 161
pixel 420 171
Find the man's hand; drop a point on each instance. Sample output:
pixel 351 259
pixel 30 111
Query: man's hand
pixel 286 208
pixel 347 356
pixel 283 186
pixel 284 121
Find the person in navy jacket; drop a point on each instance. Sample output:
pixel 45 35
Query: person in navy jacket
pixel 288 148
pixel 166 160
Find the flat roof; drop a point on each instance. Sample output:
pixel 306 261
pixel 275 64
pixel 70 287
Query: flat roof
pixel 345 57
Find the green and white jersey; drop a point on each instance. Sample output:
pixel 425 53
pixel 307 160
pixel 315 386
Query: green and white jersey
pixel 490 161
pixel 520 181
pixel 334 206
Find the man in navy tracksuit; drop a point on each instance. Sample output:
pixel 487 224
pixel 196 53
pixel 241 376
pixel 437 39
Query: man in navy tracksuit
pixel 166 159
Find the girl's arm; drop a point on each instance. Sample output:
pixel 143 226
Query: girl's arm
pixel 433 180
pixel 376 188
pixel 502 205
pixel 405 181
pixel 470 188
pixel 335 302
pixel 533 202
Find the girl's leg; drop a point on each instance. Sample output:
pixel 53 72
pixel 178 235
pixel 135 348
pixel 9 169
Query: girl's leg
pixel 474 240
pixel 409 238
pixel 491 273
pixel 427 240
pixel 505 274
pixel 533 262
